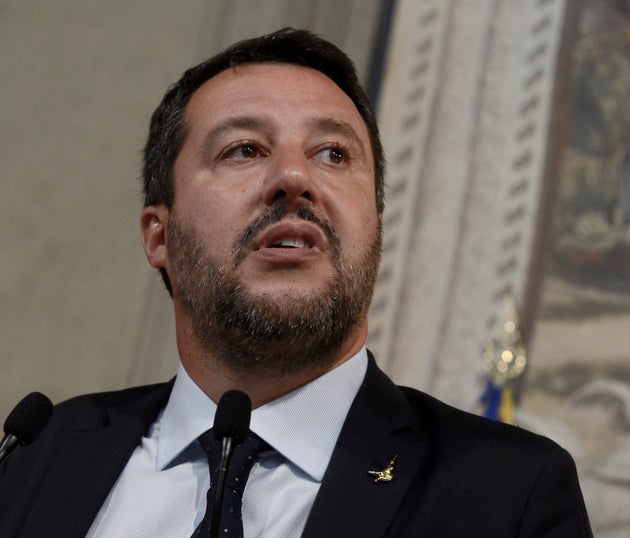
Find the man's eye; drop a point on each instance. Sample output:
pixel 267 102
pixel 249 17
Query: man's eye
pixel 249 151
pixel 335 155
pixel 242 151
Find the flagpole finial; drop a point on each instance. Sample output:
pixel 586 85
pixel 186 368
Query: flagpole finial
pixel 504 354
pixel 504 360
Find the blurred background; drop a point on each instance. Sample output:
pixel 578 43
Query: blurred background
pixel 506 126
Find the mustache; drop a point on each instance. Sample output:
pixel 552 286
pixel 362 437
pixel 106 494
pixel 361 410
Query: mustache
pixel 276 214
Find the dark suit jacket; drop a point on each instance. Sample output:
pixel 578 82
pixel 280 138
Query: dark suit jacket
pixel 456 475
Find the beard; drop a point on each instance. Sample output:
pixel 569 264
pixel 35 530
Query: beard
pixel 279 334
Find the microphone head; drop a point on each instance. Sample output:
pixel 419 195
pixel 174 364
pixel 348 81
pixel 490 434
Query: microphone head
pixel 29 417
pixel 232 416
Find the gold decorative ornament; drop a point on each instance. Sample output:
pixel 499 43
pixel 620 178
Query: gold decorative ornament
pixel 504 359
pixel 387 474
pixel 504 354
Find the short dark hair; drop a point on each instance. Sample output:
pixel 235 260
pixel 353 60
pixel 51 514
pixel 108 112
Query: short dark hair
pixel 167 131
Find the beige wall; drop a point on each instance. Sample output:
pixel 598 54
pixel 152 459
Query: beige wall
pixel 79 82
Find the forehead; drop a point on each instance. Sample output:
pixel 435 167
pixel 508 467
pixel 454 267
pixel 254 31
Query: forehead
pixel 286 92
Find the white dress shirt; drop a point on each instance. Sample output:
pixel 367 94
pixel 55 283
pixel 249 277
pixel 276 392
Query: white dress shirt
pixel 162 490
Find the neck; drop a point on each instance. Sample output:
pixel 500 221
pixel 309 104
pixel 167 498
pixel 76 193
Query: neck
pixel 215 378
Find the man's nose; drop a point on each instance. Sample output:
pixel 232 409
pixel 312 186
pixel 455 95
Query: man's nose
pixel 290 180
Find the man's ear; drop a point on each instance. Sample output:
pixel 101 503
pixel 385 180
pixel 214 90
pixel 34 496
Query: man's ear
pixel 153 224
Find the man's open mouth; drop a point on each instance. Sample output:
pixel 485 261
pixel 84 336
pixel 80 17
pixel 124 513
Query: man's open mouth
pixel 291 243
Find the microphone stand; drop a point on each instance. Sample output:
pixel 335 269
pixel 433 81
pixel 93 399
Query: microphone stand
pixel 227 446
pixel 231 426
pixel 8 444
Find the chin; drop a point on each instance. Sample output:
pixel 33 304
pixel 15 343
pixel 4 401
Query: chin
pixel 283 291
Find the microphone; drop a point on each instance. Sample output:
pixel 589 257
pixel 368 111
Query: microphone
pixel 231 427
pixel 25 422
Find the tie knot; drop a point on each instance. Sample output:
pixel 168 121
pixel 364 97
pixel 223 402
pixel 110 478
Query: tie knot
pixel 252 445
pixel 243 458
pixel 208 442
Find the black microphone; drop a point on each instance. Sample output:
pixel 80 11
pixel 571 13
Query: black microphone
pixel 231 427
pixel 25 422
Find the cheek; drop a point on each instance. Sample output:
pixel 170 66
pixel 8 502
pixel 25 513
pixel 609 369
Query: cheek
pixel 215 221
pixel 358 231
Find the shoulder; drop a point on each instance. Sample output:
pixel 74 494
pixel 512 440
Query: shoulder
pixel 444 426
pixel 99 400
pixel 487 468
pixel 125 410
pixel 490 446
pixel 96 409
pixel 447 421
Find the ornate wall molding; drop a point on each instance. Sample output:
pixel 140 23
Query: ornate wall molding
pixel 471 194
pixel 409 92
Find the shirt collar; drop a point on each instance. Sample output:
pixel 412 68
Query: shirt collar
pixel 188 413
pixel 302 425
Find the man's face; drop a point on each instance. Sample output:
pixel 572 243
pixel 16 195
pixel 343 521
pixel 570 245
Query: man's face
pixel 274 201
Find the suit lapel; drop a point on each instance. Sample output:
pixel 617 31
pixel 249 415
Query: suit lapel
pixel 87 464
pixel 378 428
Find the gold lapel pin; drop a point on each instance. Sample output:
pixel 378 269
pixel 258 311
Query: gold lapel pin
pixel 387 474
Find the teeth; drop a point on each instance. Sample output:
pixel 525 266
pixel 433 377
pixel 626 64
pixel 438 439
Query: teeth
pixel 295 243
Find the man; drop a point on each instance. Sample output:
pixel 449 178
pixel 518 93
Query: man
pixel 264 195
